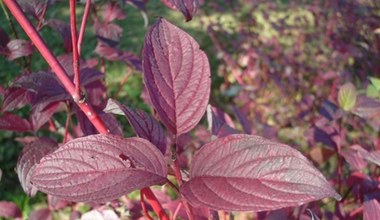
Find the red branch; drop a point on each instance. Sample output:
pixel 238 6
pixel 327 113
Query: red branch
pixel 29 29
pixel 74 40
pixel 155 204
pixel 38 42
pixel 83 25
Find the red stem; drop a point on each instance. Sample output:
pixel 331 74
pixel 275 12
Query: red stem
pixel 16 11
pixel 155 204
pixel 83 25
pixel 38 42
pixel 178 176
pixel 74 40
pixel 145 210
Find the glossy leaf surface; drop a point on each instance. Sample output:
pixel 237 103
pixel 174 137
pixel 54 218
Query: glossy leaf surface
pixel 250 173
pixel 177 76
pixel 100 168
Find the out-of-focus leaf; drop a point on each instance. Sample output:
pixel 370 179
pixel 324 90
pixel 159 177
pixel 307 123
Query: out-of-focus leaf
pixel 187 7
pixel 347 96
pixel 63 28
pixel 9 210
pixel 19 48
pixel 355 157
pixel 177 76
pixel 100 215
pixel 144 125
pixel 34 7
pixel 100 168
pixel 322 135
pixel 29 157
pixel 373 157
pixel 371 209
pixel 375 82
pixel 11 122
pixel 372 91
pixel 250 173
pixel 245 123
pixel 41 214
pixel 112 11
pixel 220 124
pixel 108 34
pixel 329 110
pixel 15 98
pixel 367 107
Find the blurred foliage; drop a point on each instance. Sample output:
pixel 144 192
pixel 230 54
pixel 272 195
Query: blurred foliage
pixel 276 61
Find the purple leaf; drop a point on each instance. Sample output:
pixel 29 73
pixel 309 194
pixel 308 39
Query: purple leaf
pixel 355 157
pixel 88 128
pixel 46 87
pixel 177 76
pixel 34 7
pixel 100 168
pixel 144 125
pixel 39 117
pixel 373 157
pixel 220 123
pixel 247 127
pixel 19 48
pixel 29 157
pixel 41 214
pixel 187 7
pixel 9 210
pixel 15 98
pixel 367 107
pixel 112 12
pixel 371 208
pixel 63 28
pixel 11 122
pixel 108 34
pixel 251 173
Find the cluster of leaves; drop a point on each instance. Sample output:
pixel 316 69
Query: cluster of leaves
pixel 216 168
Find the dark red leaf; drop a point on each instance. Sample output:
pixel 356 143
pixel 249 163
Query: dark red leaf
pixel 250 173
pixel 219 122
pixel 11 122
pixel 144 125
pixel 108 34
pixel 177 76
pixel 34 7
pixel 100 168
pixel 187 7
pixel 15 98
pixel 355 157
pixel 371 209
pixel 9 210
pixel 38 118
pixel 46 87
pixel 112 11
pixel 41 214
pixel 368 108
pixel 373 157
pixel 19 48
pixel 63 28
pixel 29 157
